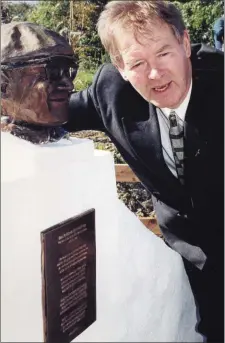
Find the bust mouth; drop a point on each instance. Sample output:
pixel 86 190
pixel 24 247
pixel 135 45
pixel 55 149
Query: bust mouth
pixel 59 97
pixel 59 100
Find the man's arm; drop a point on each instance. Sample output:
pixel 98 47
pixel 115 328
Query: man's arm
pixel 83 110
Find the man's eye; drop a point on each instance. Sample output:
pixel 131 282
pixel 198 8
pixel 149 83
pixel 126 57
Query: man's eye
pixel 163 54
pixel 138 64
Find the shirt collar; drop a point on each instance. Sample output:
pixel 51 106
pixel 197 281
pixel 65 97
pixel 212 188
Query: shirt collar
pixel 181 110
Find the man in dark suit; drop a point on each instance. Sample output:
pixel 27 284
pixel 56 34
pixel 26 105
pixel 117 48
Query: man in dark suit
pixel 161 103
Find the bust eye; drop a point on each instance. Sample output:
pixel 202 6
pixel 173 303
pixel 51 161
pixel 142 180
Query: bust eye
pixel 42 77
pixel 3 87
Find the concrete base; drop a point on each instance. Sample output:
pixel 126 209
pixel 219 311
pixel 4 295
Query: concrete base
pixel 143 293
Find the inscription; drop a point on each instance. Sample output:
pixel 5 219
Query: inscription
pixel 72 259
pixel 70 280
pixel 73 318
pixel 71 235
pixel 73 298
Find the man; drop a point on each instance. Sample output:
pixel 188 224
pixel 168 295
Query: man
pixel 35 95
pixel 218 33
pixel 161 103
pixel 37 70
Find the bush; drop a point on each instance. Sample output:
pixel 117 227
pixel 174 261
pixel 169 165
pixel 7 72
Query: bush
pixel 83 79
pixel 199 17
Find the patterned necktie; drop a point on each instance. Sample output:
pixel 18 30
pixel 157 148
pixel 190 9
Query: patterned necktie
pixel 176 134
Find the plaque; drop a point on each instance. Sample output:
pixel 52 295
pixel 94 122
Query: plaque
pixel 69 278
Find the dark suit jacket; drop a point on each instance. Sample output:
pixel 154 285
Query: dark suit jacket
pixel 190 217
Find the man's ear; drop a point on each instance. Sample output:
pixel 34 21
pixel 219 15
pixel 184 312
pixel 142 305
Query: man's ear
pixel 187 43
pixel 121 71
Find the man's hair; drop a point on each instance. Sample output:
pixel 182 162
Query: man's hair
pixel 135 16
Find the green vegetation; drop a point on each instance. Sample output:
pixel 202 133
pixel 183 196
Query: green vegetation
pixel 83 79
pixel 77 21
pixel 17 11
pixel 51 14
pixel 199 16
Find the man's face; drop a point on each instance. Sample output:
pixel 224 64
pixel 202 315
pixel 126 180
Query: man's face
pixel 40 93
pixel 157 66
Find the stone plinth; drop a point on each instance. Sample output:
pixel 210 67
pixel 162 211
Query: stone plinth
pixel 143 292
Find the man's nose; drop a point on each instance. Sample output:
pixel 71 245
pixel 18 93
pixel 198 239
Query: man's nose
pixel 155 74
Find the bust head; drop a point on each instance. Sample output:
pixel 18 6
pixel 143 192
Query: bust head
pixel 37 70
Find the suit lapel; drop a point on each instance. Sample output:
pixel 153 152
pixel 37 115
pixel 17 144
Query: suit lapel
pixel 143 137
pixel 194 144
pixel 144 140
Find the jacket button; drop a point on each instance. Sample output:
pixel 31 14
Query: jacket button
pixel 182 215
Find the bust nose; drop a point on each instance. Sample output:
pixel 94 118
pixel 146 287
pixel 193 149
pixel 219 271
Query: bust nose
pixel 65 83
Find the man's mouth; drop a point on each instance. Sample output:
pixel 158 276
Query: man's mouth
pixel 162 88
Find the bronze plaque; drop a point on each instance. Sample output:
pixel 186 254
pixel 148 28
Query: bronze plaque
pixel 69 278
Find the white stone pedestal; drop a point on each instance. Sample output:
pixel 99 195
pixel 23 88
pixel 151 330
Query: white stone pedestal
pixel 143 293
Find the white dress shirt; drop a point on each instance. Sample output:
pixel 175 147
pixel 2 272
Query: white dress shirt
pixel 163 115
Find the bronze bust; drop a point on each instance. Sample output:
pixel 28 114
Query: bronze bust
pixel 38 67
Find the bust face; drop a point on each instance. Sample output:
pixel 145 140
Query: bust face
pixel 39 94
